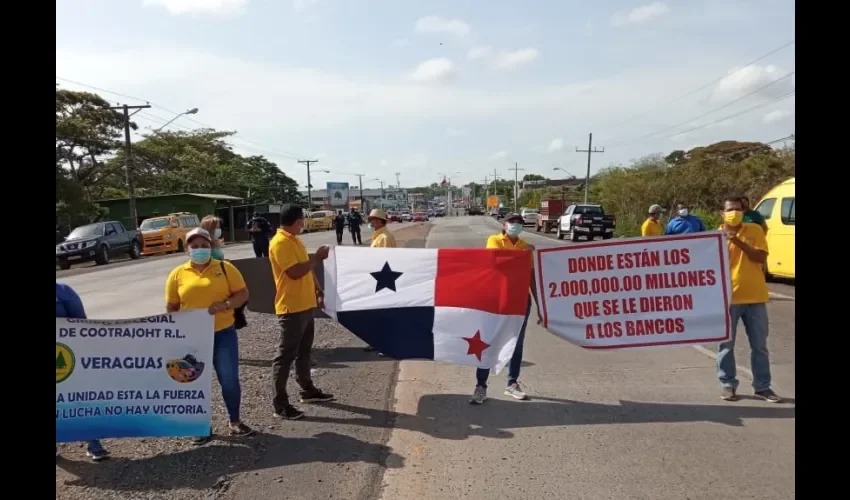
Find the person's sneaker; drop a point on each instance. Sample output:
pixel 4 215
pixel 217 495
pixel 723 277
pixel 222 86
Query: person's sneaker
pixel 97 454
pixel 479 396
pixel 315 396
pixel 201 440
pixel 728 394
pixel 240 429
pixel 515 392
pixel 769 396
pixel 289 413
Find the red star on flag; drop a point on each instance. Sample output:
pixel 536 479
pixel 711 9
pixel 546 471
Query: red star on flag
pixel 476 345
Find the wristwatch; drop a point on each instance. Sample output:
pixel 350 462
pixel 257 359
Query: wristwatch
pixel 227 304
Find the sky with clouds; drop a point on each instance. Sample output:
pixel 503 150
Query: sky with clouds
pixel 456 87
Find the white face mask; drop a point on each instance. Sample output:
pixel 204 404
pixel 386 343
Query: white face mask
pixel 683 212
pixel 513 229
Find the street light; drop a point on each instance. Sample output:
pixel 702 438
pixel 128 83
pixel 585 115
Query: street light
pixel 448 178
pixel 192 111
pixel 564 171
pixel 382 191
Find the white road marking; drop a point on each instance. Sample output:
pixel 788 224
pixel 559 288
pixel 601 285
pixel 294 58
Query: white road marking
pixel 782 296
pixel 743 369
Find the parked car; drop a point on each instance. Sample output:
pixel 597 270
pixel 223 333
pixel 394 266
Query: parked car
pixel 420 217
pixel 529 216
pixel 406 217
pixel 98 242
pixel 586 220
pixel 320 220
pixel 475 211
pixel 167 233
pixel 393 216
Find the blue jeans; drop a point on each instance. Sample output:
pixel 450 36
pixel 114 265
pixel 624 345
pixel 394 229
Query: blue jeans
pixel 482 374
pixel 226 364
pixel 755 321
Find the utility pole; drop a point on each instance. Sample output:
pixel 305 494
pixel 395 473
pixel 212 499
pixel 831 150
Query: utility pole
pixel 486 187
pixel 309 186
pixel 360 180
pixel 516 170
pixel 397 181
pixel 590 150
pixel 128 160
pixel 495 180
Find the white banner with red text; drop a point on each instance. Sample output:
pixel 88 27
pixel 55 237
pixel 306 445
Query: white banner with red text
pixel 637 292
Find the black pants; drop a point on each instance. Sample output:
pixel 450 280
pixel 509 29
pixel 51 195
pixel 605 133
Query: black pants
pixel 339 232
pixel 261 247
pixel 295 345
pixel 355 235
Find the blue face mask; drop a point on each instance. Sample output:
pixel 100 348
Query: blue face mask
pixel 200 255
pixel 513 229
pixel 217 254
pixel 217 234
pixel 369 227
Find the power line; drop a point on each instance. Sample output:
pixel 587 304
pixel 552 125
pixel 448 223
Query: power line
pixel 739 113
pixel 590 151
pixel 703 87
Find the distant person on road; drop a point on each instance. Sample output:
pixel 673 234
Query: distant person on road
pixel 69 305
pixel 381 236
pixel 509 239
pixel 355 220
pixel 753 216
pixel 212 224
pixel 259 229
pixel 684 222
pixel 747 254
pixel 650 226
pixel 297 295
pixel 339 225
pixel 218 287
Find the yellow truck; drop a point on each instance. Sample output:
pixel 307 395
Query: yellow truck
pixel 779 209
pixel 167 233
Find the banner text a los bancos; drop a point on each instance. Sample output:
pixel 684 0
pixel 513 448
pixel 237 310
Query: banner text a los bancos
pixel 641 292
pixel 143 377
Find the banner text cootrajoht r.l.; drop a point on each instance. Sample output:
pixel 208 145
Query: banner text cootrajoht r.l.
pixel 641 292
pixel 143 377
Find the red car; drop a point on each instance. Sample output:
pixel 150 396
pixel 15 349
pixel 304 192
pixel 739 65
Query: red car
pixel 394 216
pixel 420 217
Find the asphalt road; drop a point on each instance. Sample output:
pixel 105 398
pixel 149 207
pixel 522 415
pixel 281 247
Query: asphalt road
pixel 601 425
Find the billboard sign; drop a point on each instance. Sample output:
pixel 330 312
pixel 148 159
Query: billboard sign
pixel 338 194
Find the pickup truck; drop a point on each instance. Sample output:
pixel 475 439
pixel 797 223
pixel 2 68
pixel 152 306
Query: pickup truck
pixel 98 242
pixel 586 220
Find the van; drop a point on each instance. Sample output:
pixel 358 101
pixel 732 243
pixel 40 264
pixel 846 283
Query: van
pixel 779 209
pixel 320 220
pixel 167 233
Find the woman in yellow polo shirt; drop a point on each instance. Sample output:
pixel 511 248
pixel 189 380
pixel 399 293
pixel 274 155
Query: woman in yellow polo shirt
pixel 217 286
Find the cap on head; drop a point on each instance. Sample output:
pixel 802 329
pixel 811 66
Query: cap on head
pixel 377 213
pixel 514 218
pixel 200 233
pixel 655 209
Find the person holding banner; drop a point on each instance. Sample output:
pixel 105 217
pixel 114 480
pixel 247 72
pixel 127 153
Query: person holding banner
pixel 747 255
pixel 218 287
pixel 509 239
pixel 69 305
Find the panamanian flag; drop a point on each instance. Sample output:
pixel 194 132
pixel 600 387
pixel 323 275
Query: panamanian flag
pixel 461 306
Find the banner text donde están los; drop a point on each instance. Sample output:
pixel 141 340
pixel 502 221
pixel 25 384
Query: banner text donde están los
pixel 641 292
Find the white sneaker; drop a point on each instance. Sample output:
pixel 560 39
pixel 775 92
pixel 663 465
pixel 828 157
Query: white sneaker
pixel 478 396
pixel 515 392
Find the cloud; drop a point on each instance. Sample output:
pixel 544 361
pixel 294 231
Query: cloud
pixel 501 155
pixel 299 5
pixel 321 155
pixel 453 132
pixel 384 163
pixel 433 70
pixel 588 27
pixel 436 24
pixel 742 81
pixel 777 115
pixel 400 42
pixel 557 144
pixel 478 53
pixel 516 58
pixel 217 7
pixel 640 15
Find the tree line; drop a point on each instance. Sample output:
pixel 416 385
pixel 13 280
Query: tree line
pixel 90 162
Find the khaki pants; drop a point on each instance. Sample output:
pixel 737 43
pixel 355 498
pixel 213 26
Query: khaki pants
pixel 296 342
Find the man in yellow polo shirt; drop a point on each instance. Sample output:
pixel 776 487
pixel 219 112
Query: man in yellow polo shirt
pixel 650 226
pixel 296 296
pixel 747 255
pixel 381 236
pixel 509 239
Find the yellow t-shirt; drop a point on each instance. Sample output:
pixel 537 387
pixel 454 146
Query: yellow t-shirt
pixel 194 289
pixel 748 282
pixel 291 296
pixel 651 228
pixel 502 242
pixel 382 238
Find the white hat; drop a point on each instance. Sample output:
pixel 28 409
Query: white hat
pixel 655 209
pixel 377 213
pixel 199 231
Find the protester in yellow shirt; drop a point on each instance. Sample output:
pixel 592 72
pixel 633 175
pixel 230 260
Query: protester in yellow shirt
pixel 297 294
pixel 218 287
pixel 650 226
pixel 381 236
pixel 747 254
pixel 509 239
